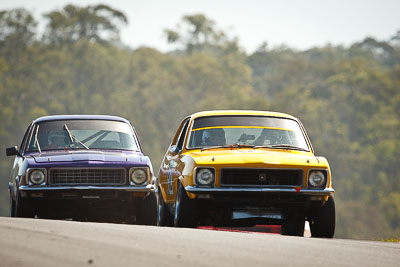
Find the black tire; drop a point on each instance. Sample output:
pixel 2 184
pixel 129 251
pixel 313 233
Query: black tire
pixel 294 225
pixel 147 213
pixel 23 208
pixel 12 206
pixel 185 210
pixel 164 216
pixel 323 220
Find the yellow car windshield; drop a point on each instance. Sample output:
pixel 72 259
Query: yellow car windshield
pixel 246 131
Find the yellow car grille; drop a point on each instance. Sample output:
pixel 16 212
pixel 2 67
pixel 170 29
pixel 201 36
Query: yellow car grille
pixel 261 177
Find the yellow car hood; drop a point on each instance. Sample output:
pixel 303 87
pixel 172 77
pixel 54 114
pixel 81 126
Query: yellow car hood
pixel 257 157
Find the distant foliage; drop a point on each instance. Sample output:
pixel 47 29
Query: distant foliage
pixel 348 98
pixel 97 23
pixel 197 32
pixel 349 101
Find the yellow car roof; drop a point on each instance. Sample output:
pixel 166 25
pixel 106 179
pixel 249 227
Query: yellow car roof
pixel 241 112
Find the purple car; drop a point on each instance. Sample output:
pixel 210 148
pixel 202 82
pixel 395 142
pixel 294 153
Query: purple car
pixel 84 167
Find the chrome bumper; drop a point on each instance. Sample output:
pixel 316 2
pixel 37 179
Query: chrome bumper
pixel 211 190
pixel 147 188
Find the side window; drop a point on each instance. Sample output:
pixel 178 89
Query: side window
pixel 182 135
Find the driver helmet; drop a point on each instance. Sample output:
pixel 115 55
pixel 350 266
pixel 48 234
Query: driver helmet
pixel 214 137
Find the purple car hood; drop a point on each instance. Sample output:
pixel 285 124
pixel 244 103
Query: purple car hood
pixel 88 156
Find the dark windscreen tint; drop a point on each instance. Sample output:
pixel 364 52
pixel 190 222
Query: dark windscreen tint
pixel 100 125
pixel 243 121
pixel 93 134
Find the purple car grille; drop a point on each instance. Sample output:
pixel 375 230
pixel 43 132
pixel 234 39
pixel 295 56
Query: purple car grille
pixel 71 176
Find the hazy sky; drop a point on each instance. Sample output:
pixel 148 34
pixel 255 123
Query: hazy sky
pixel 300 24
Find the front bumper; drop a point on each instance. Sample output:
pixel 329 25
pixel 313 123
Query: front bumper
pixel 230 197
pixel 107 203
pixel 147 188
pixel 239 206
pixel 217 190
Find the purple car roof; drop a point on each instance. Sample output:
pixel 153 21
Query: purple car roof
pixel 80 117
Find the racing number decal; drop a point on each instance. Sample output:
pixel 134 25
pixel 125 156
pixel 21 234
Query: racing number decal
pixel 170 190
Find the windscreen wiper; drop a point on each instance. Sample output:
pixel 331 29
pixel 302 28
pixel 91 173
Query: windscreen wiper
pixel 283 146
pixel 228 146
pixel 72 137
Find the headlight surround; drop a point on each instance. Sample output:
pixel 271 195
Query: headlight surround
pixel 205 176
pixel 317 178
pixel 37 176
pixel 139 176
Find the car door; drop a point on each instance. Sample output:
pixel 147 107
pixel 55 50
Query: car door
pixel 172 166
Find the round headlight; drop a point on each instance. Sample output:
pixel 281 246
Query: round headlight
pixel 316 179
pixel 36 177
pixel 205 177
pixel 139 176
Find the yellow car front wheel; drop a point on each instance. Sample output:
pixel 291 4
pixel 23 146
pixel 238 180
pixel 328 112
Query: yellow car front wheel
pixel 323 220
pixel 185 210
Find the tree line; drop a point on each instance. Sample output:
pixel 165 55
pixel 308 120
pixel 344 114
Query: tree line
pixel 348 98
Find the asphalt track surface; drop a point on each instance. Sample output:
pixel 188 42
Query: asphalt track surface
pixel 36 242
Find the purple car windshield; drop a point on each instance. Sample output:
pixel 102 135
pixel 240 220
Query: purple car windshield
pixel 82 134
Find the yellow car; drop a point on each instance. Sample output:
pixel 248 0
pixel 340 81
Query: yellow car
pixel 242 168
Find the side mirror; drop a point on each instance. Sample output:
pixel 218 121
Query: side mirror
pixel 173 150
pixel 12 151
